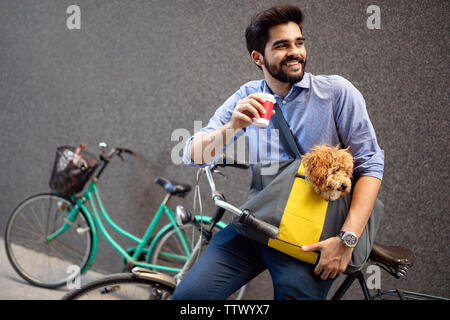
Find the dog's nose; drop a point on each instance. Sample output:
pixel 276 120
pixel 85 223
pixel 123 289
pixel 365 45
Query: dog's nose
pixel 344 186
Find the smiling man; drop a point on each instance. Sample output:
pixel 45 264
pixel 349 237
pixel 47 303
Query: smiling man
pixel 318 109
pixel 284 57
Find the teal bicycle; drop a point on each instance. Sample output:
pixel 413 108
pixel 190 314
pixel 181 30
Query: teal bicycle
pixel 49 234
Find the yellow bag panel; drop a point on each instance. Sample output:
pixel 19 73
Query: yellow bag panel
pixel 302 221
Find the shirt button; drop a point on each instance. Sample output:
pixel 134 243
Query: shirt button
pixel 284 102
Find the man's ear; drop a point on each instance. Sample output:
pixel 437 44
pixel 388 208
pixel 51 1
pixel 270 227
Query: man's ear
pixel 257 58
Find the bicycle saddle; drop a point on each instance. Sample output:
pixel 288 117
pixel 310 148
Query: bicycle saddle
pixel 172 187
pixel 391 255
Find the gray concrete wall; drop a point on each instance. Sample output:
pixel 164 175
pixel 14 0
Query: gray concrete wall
pixel 138 70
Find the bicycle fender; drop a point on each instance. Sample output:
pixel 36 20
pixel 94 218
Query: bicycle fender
pixel 163 278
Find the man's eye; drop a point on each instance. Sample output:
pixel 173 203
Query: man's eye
pixel 300 43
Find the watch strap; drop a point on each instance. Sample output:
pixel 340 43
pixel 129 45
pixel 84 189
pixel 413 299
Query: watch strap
pixel 340 234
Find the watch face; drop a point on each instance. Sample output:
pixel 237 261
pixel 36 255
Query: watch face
pixel 350 240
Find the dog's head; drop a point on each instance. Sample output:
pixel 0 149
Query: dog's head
pixel 329 170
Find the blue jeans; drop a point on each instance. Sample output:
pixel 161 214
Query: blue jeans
pixel 231 260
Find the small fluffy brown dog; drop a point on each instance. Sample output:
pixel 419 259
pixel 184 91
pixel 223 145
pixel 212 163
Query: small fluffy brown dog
pixel 329 170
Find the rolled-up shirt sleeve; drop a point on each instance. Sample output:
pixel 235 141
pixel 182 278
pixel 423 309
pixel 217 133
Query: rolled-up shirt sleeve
pixel 220 118
pixel 355 130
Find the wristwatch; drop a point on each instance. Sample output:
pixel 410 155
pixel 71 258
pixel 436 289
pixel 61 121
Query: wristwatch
pixel 349 238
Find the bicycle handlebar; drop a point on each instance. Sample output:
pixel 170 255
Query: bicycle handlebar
pixel 251 221
pixel 245 217
pixel 223 161
pixel 114 151
pixel 125 150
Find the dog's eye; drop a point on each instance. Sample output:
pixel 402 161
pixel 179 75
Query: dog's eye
pixel 329 187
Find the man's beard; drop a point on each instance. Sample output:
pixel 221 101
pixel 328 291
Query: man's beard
pixel 278 73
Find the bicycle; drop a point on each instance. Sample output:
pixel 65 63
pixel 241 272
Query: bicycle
pixel 48 233
pixel 146 284
pixel 396 261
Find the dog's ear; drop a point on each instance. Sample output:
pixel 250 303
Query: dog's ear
pixel 318 175
pixel 315 170
pixel 346 160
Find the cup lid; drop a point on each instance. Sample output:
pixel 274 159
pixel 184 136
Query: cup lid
pixel 268 96
pixel 260 122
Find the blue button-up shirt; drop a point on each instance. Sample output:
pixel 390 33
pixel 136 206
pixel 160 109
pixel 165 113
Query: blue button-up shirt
pixel 318 109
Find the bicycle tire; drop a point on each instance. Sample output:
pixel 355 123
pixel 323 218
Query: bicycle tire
pixel 25 254
pixel 114 287
pixel 396 294
pixel 171 235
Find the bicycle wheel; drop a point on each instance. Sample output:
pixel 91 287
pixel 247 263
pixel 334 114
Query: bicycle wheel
pixel 395 294
pixel 169 251
pixel 43 263
pixel 121 286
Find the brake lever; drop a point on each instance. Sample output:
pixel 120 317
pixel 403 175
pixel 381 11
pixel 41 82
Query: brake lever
pixel 219 173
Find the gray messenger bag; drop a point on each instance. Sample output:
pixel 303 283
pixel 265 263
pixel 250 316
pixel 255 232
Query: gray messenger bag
pixel 286 200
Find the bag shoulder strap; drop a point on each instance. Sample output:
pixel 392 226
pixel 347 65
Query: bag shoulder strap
pixel 286 137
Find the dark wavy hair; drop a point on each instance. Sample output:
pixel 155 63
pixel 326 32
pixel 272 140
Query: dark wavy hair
pixel 257 32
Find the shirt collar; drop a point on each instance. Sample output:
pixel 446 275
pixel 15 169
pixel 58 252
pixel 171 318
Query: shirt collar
pixel 304 83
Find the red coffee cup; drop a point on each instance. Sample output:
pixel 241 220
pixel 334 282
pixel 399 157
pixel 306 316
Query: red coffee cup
pixel 269 101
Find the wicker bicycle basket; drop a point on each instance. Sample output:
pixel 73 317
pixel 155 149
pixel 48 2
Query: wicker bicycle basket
pixel 70 171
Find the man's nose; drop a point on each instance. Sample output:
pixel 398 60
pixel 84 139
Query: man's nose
pixel 293 50
pixel 295 53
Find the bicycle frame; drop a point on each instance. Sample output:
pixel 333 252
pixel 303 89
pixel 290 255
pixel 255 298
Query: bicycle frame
pixel 92 196
pixel 380 294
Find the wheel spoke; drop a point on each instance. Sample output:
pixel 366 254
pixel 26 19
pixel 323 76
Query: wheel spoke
pixel 31 225
pixel 36 260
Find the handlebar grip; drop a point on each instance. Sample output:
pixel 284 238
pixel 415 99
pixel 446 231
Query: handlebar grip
pixel 234 165
pixel 125 150
pixel 240 165
pixel 262 226
pixel 223 161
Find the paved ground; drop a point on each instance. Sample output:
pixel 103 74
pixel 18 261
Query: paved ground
pixel 13 287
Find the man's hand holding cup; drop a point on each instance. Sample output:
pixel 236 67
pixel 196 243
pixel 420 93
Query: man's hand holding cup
pixel 255 109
